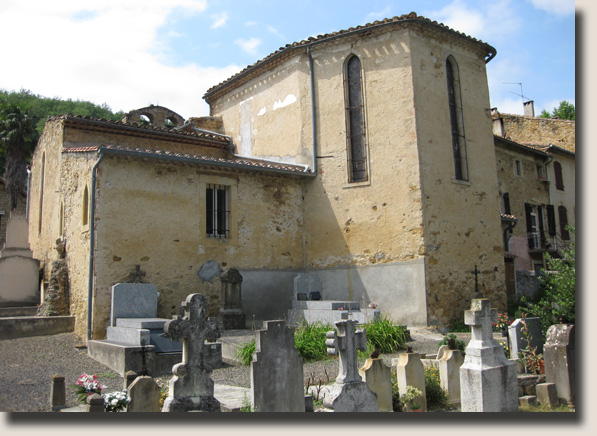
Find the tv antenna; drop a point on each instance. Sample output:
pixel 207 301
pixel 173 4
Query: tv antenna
pixel 521 93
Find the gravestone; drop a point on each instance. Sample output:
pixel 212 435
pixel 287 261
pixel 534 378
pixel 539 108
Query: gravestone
pixel 19 271
pixel 519 341
pixel 410 372
pixel 350 393
pixel 487 379
pixel 58 393
pixel 277 370
pixel 232 315
pixel 133 317
pixel 449 374
pixel 378 377
pixel 560 361
pixel 191 388
pixel 145 395
pixel 307 287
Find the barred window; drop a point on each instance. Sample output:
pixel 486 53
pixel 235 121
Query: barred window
pixel 355 122
pixel 456 120
pixel 217 211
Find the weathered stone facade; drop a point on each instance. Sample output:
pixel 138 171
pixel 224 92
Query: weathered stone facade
pixel 403 217
pixel 536 130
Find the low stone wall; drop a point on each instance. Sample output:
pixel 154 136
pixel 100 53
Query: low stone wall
pixel 26 326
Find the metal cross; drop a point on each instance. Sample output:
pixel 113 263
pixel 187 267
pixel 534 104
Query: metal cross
pixel 476 272
pixel 143 352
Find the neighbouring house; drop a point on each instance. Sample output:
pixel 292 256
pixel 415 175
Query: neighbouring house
pixel 364 157
pixel 536 182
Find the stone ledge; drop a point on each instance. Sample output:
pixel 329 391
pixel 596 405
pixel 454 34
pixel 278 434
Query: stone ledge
pixel 26 326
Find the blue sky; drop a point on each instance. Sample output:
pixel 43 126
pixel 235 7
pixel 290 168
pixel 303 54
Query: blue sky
pixel 132 53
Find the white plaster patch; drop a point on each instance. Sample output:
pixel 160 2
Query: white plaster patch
pixel 262 111
pixel 287 101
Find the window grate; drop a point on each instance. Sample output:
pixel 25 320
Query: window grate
pixel 217 211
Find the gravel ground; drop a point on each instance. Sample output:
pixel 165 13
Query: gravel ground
pixel 27 366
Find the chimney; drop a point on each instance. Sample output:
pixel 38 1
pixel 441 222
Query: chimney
pixel 529 108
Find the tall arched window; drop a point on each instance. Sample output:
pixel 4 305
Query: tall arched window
pixel 456 120
pixel 85 207
pixel 355 122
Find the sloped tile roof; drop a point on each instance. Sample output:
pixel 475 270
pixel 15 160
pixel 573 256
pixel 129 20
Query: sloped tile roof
pixel 142 129
pixel 412 17
pixel 239 163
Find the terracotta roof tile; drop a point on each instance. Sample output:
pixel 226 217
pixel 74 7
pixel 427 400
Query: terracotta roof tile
pixel 245 163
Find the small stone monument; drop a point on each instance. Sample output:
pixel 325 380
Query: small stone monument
pixel 519 341
pixel 449 374
pixel 560 360
pixel 277 370
pixel 58 394
pixel 191 388
pixel 410 372
pixel 232 315
pixel 350 393
pixel 378 377
pixel 487 379
pixel 145 395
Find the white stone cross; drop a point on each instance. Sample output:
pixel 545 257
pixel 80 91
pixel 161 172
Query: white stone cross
pixel 345 344
pixel 481 318
pixel 192 377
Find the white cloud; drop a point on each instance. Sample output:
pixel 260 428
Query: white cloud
pixel 275 32
pixel 559 7
pixel 219 20
pixel 249 45
pixel 378 15
pixel 481 21
pixel 104 52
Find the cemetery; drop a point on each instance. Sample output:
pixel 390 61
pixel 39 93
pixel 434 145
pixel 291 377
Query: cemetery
pixel 168 365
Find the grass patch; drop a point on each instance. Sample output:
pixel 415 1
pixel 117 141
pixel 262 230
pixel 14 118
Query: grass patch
pixel 385 336
pixel 309 339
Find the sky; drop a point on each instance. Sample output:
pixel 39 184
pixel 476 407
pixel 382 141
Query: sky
pixel 129 54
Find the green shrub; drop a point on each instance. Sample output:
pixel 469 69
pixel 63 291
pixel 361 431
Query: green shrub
pixel 245 351
pixel 437 398
pixel 460 344
pixel 384 335
pixel 458 326
pixel 309 339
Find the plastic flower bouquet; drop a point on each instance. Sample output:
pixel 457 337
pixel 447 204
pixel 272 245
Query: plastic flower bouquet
pixel 503 322
pixel 87 385
pixel 116 401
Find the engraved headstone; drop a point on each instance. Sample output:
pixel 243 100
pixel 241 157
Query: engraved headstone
pixel 277 370
pixel 191 388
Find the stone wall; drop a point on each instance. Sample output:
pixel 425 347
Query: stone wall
pixel 539 130
pixel 152 214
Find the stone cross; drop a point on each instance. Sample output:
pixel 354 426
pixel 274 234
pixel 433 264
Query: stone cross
pixel 192 388
pixel 345 344
pixel 481 318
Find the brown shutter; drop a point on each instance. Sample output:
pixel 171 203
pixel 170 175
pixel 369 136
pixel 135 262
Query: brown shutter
pixel 558 172
pixel 563 215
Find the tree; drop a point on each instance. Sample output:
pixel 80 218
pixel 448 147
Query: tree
pixel 558 287
pixel 18 138
pixel 565 111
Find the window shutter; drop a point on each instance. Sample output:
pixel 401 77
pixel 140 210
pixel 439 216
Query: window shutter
pixel 541 228
pixel 527 211
pixel 507 204
pixel 563 215
pixel 558 172
pixel 551 220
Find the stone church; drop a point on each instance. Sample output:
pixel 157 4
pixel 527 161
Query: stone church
pixel 364 157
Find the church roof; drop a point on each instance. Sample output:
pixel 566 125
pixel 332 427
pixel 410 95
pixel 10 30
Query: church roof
pixel 139 129
pixel 241 163
pixel 395 21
